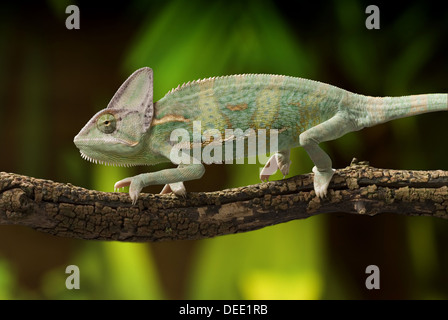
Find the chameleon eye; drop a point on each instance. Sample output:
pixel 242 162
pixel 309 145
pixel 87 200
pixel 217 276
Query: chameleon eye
pixel 107 123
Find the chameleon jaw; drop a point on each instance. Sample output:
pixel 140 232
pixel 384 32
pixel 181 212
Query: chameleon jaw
pixel 96 161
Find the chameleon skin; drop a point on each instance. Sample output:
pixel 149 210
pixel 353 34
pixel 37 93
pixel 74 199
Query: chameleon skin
pixel 133 130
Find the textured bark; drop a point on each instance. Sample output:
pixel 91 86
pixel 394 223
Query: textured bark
pixel 70 211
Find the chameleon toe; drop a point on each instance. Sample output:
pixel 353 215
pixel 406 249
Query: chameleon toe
pixel 122 183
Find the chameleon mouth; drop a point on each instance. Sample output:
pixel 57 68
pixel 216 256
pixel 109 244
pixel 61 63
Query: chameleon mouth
pixel 96 161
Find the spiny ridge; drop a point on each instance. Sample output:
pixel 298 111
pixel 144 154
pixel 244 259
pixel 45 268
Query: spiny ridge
pixel 190 83
pixel 86 157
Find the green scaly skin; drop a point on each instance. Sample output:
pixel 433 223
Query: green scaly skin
pixel 133 130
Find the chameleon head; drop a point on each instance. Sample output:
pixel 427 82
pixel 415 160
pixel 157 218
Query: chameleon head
pixel 114 135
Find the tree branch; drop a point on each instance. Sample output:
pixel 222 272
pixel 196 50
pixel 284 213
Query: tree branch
pixel 70 211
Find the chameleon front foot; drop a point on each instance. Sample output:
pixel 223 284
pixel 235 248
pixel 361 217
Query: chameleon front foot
pixel 177 188
pixel 322 180
pixel 135 187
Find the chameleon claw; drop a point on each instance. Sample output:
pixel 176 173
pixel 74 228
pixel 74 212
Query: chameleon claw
pixel 134 196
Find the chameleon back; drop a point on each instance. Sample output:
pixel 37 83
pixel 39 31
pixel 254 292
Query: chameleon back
pixel 252 101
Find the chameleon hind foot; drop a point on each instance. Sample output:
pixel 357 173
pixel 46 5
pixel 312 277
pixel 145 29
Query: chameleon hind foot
pixel 283 163
pixel 277 161
pixel 177 188
pixel 322 180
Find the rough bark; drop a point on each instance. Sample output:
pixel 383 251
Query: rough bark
pixel 70 211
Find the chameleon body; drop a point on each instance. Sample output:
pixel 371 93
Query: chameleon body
pixel 133 130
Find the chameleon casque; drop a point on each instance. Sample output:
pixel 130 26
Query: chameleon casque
pixel 134 130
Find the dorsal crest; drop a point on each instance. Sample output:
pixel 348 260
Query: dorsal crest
pixel 199 81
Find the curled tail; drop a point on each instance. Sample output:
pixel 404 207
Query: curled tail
pixel 377 110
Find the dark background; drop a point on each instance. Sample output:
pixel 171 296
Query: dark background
pixel 52 80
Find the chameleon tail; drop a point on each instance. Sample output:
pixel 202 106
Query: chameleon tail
pixel 383 109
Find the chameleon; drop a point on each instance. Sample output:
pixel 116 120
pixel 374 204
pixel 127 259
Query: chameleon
pixel 135 130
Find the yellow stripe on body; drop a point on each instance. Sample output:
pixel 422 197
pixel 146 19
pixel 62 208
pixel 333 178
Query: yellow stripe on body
pixel 169 118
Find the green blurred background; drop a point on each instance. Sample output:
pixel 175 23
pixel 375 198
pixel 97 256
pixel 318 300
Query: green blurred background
pixel 52 80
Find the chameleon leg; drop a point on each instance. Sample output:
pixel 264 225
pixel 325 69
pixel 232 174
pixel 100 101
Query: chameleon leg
pixel 177 188
pixel 168 176
pixel 280 160
pixel 331 129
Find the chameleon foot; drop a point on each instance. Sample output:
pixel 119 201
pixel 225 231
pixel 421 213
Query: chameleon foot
pixel 275 162
pixel 283 163
pixel 177 188
pixel 321 181
pixel 269 168
pixel 135 187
